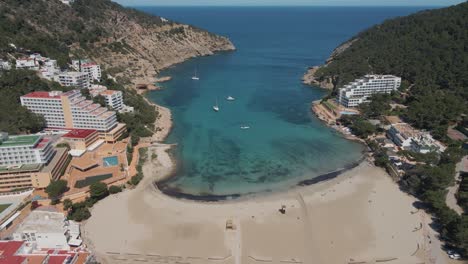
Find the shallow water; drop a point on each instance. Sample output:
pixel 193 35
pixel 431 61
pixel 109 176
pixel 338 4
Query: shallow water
pixel 285 144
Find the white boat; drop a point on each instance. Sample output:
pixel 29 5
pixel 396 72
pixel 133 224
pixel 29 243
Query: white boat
pixel 230 98
pixel 244 127
pixel 195 77
pixel 216 107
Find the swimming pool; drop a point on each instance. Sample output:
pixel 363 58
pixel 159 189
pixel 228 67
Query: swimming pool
pixel 110 161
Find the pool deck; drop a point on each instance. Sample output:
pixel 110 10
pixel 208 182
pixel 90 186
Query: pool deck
pixel 73 174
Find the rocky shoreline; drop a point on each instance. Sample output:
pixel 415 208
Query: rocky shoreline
pixel 328 82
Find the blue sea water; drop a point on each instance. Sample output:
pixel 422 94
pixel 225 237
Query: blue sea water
pixel 285 144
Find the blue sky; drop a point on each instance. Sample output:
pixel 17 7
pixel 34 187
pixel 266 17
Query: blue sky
pixel 290 2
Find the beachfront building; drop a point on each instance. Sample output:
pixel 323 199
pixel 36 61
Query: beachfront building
pixel 409 138
pixel 71 110
pixel 23 150
pixel 360 90
pixel 21 252
pixel 50 230
pixel 81 140
pixel 34 175
pixel 76 79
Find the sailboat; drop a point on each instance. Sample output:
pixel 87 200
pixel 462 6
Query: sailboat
pixel 195 77
pixel 216 107
pixel 230 98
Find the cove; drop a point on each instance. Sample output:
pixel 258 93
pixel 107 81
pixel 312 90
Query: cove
pixel 285 144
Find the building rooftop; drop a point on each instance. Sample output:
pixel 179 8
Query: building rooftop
pixel 8 250
pixel 17 141
pixel 43 222
pixel 22 168
pixel 407 130
pixel 79 133
pixel 110 92
pixel 45 95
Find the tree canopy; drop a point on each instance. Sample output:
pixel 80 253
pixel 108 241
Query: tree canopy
pixel 428 50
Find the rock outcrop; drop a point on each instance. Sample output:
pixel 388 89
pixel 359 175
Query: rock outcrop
pixel 129 44
pixel 310 77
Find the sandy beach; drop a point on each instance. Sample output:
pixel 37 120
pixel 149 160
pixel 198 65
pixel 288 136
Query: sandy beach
pixel 359 217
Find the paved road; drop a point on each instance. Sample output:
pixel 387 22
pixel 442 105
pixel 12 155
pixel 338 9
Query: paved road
pixel 451 200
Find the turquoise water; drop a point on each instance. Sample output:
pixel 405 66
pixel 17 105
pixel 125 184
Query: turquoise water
pixel 110 161
pixel 285 144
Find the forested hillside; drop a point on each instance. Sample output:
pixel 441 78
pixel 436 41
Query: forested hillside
pixel 429 50
pixel 126 42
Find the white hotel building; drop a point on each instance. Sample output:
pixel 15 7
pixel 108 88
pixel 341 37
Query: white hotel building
pixel 359 91
pixel 24 150
pixel 77 79
pixel 71 110
pixel 91 68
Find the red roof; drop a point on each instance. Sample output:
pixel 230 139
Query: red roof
pixel 41 95
pixel 57 259
pixel 8 250
pixel 80 133
pixel 42 143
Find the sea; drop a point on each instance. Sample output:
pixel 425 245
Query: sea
pixel 267 139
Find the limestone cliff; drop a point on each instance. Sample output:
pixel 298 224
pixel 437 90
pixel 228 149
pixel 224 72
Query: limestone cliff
pixel 310 77
pixel 128 43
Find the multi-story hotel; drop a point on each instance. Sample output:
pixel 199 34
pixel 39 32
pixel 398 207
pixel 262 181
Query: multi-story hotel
pixel 21 150
pixel 71 110
pixel 77 79
pixel 359 91
pixel 91 68
pixel 112 98
pixel 29 161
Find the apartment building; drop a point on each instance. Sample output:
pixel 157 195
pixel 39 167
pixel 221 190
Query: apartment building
pixel 91 68
pixel 71 110
pixel 409 138
pixel 34 175
pixel 359 91
pixel 22 252
pixel 23 150
pixel 45 229
pixel 76 79
pixel 113 98
pixel 27 63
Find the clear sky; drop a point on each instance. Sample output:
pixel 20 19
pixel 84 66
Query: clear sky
pixel 290 2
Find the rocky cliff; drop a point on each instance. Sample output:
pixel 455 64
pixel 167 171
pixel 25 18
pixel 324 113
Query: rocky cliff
pixel 310 77
pixel 128 43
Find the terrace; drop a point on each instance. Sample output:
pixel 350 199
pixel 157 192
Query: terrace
pixel 96 166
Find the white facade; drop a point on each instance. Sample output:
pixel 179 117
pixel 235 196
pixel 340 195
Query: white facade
pixel 91 68
pixel 49 70
pixel 77 79
pixel 5 65
pixel 27 63
pixel 359 91
pixel 43 229
pixel 113 98
pixel 409 138
pixel 69 110
pixel 67 2
pixel 24 150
